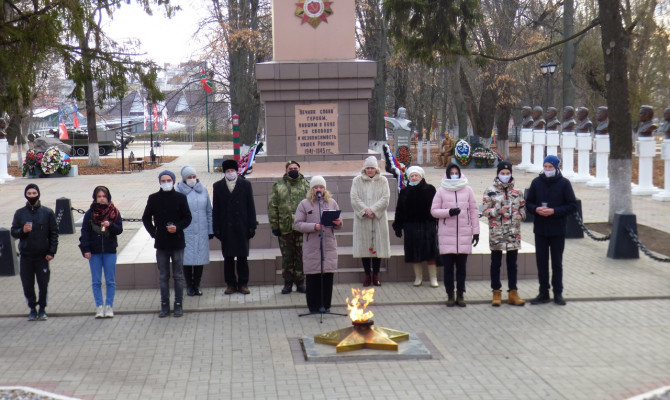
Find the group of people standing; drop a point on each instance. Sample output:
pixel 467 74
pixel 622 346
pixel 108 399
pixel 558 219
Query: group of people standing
pixel 440 227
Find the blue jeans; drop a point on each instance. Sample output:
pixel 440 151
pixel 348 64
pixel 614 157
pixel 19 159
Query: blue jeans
pixel 100 263
pixel 163 260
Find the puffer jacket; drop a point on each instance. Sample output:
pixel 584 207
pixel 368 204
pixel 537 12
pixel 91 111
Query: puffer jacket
pixel 504 230
pixel 286 194
pixel 455 233
pixel 306 217
pixel 197 233
pixel 372 193
pixel 43 239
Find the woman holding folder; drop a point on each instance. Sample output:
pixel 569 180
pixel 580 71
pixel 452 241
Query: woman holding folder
pixel 308 220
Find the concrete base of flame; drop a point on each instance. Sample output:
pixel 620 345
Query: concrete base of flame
pixel 412 349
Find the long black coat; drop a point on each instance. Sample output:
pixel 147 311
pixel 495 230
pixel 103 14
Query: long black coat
pixel 558 194
pixel 234 217
pixel 412 215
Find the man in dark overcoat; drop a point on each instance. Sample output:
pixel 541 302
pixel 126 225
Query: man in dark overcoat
pixel 234 220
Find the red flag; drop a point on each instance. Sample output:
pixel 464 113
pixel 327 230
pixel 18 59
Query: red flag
pixel 62 131
pixel 75 117
pixel 206 84
pixel 165 118
pixel 155 117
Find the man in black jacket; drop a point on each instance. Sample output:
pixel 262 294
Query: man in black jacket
pixel 165 217
pixel 35 227
pixel 234 220
pixel 552 200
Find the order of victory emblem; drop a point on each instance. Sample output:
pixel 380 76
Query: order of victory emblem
pixel 314 11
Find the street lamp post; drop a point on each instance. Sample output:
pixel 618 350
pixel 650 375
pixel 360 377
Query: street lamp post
pixel 547 70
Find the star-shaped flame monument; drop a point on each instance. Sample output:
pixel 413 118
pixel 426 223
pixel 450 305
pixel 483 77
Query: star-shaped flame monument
pixel 362 334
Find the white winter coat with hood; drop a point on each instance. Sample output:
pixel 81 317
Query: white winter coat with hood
pixel 372 193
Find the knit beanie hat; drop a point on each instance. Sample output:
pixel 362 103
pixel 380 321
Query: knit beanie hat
pixel 187 171
pixel 505 165
pixel 317 180
pixel 104 190
pixel 370 162
pixel 229 164
pixel 553 160
pixel 31 186
pixel 169 173
pixel 417 169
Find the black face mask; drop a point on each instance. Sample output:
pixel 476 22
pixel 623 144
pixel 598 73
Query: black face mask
pixel 32 200
pixel 293 174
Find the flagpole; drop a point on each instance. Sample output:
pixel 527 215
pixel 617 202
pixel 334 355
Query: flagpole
pixel 207 129
pixel 123 157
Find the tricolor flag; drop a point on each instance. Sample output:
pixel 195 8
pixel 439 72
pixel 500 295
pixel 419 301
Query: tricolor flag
pixel 75 117
pixel 62 129
pixel 206 84
pixel 155 117
pixel 165 117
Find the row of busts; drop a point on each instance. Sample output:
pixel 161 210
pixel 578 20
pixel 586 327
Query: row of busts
pixel 533 119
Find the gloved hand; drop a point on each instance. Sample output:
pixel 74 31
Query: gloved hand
pixel 276 232
pixel 475 240
pixel 211 236
pixel 252 233
pixel 398 233
pixel 454 211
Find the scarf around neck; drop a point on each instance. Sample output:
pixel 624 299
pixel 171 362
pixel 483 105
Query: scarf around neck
pixel 103 212
pixel 454 185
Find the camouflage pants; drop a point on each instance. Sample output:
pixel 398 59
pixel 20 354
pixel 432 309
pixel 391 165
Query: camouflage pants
pixel 290 245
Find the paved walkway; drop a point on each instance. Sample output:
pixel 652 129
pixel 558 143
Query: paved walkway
pixel 610 342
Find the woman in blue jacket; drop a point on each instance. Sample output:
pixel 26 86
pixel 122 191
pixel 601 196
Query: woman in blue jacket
pixel 102 223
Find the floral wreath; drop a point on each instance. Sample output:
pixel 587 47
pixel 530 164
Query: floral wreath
pixel 404 155
pixel 51 160
pixel 462 152
pixel 65 163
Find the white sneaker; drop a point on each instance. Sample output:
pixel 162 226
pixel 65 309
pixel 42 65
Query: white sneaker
pixel 109 313
pixel 100 312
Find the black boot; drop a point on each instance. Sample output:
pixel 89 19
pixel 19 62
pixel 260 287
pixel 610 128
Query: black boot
pixel 451 301
pixel 188 278
pixel 165 310
pixel 559 300
pixel 288 287
pixel 541 298
pixel 190 290
pixel 300 287
pixel 197 277
pixel 459 299
pixel 178 312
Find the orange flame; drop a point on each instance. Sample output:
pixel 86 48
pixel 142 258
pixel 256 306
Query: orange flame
pixel 357 305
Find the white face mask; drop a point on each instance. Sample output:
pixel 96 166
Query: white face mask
pixel 504 178
pixel 231 176
pixel 191 182
pixel 549 174
pixel 455 177
pixel 166 186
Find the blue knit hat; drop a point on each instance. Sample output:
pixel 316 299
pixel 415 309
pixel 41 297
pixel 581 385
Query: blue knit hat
pixel 553 160
pixel 166 172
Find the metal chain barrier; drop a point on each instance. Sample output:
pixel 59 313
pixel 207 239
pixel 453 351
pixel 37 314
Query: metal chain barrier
pixel 80 211
pixel 588 232
pixel 640 246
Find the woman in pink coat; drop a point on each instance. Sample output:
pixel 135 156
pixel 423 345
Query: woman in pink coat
pixel 458 229
pixel 307 220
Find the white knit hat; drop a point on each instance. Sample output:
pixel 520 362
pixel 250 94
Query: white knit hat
pixel 317 180
pixel 370 162
pixel 187 171
pixel 417 169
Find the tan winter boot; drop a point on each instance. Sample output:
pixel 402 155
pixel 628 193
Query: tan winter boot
pixel 418 274
pixel 497 298
pixel 432 273
pixel 514 299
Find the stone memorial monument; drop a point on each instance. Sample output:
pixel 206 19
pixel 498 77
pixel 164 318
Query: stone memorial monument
pixel 568 142
pixel 665 155
pixel 4 153
pixel 645 148
pixel 601 146
pixel 315 91
pixel 584 128
pixel 553 137
pixel 539 140
pixel 526 138
pixel 446 151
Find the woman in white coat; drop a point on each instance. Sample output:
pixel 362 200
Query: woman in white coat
pixel 198 234
pixel 370 196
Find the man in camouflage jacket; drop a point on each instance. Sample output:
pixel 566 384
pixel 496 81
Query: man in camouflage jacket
pixel 286 194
